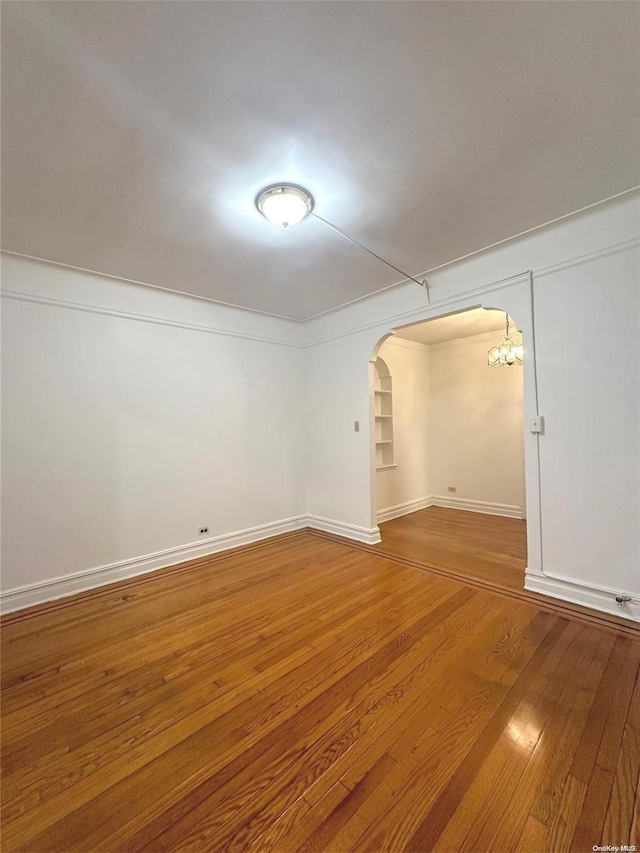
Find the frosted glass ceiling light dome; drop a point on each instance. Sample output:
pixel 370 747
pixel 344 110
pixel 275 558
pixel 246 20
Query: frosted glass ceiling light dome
pixel 284 204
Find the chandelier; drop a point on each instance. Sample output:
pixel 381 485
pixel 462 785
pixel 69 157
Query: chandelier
pixel 507 353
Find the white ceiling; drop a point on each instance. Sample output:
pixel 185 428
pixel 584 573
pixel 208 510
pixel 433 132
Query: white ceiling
pixel 477 321
pixel 136 135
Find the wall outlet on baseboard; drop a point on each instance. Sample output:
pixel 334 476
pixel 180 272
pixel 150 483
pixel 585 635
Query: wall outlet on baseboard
pixel 451 488
pixel 203 530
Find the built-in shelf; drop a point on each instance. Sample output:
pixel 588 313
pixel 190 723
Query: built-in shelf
pixel 383 416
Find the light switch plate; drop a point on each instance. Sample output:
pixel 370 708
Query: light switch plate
pixel 536 424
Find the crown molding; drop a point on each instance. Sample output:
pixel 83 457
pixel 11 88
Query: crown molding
pixel 482 338
pixel 614 249
pixel 404 343
pixel 430 310
pixel 601 203
pixel 136 283
pixel 436 306
pixel 143 318
pixel 433 309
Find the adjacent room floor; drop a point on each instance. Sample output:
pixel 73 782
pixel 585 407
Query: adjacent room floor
pixel 486 548
pixel 304 694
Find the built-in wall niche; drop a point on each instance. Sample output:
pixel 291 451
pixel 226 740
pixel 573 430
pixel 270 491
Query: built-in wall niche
pixel 383 416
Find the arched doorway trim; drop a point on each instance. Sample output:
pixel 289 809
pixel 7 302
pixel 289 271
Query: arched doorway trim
pixel 515 297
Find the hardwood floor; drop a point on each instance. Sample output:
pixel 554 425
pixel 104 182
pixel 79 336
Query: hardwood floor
pixel 304 695
pixel 483 551
pixel 489 548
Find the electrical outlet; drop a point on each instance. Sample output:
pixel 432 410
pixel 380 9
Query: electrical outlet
pixel 451 488
pixel 203 530
pixel 356 426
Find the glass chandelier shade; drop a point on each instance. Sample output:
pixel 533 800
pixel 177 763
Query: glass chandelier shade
pixel 507 353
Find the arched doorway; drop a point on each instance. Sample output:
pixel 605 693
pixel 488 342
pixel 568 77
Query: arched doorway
pixel 455 493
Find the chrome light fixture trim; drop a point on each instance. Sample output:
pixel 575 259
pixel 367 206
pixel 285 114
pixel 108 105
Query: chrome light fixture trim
pixel 284 204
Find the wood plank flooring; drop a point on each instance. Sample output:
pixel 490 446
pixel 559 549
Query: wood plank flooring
pixel 484 551
pixel 489 548
pixel 304 695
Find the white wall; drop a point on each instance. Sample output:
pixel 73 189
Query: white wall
pixel 122 436
pixel 476 426
pixel 589 378
pixel 583 507
pixel 339 461
pixel 457 422
pixel 408 365
pixel 132 416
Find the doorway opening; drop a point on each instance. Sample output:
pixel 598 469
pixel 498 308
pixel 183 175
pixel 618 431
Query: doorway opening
pixel 449 431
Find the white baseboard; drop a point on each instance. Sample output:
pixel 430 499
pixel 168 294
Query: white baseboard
pixel 507 510
pixel 403 509
pixel 584 594
pixel 61 587
pixel 368 535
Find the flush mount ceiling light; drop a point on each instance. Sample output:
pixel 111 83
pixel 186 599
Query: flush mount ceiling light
pixel 507 353
pixel 288 204
pixel 284 204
